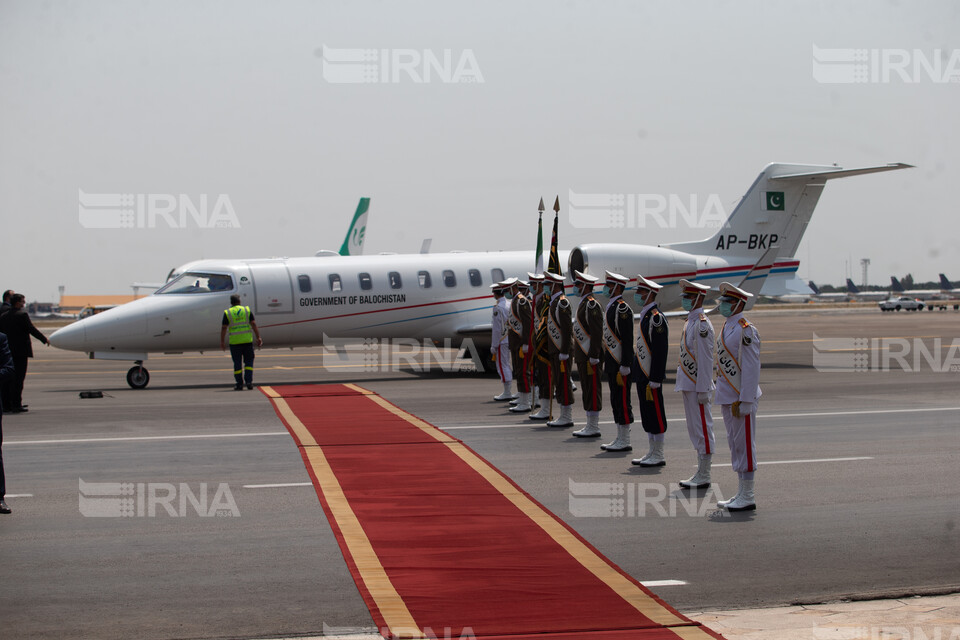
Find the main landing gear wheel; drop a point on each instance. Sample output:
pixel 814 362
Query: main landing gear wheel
pixel 138 377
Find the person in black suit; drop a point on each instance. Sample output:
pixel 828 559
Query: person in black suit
pixel 649 370
pixel 5 306
pixel 618 356
pixel 18 327
pixel 6 373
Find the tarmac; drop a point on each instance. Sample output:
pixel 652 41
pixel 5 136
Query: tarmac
pixel 858 491
pixel 912 618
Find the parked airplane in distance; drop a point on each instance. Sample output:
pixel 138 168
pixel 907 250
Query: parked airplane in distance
pixel 300 302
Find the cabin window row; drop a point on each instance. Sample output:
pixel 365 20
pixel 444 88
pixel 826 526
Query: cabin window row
pixel 394 279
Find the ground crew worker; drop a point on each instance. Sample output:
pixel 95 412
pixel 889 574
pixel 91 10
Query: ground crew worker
pixel 520 321
pixel 559 331
pixel 587 351
pixel 238 321
pixel 649 369
pixel 499 346
pixel 695 380
pixel 618 356
pixel 738 389
pixel 541 357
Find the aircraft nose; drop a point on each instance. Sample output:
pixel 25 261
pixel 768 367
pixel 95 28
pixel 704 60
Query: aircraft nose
pixel 71 337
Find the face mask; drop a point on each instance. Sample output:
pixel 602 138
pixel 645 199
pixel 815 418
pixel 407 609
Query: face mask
pixel 687 304
pixel 726 308
pixel 640 298
pixel 606 291
pixel 508 295
pixel 575 293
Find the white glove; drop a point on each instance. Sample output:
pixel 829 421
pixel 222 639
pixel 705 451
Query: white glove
pixel 747 408
pixel 564 356
pixel 653 385
pixel 493 349
pixel 594 361
pixel 624 371
pixel 525 348
pixel 703 397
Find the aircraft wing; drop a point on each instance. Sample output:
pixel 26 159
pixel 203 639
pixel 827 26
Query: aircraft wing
pixel 475 329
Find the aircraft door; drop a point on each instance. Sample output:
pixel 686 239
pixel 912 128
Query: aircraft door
pixel 272 286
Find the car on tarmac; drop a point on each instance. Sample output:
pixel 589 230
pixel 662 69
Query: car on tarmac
pixel 895 303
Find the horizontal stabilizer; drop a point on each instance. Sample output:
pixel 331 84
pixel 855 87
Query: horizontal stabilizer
pixel 843 173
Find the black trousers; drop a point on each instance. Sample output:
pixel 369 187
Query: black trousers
pixel 242 355
pixel 590 385
pixel 652 415
pixel 3 480
pixel 619 394
pixel 15 390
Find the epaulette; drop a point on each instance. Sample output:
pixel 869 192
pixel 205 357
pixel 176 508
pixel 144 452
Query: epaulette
pixel 563 303
pixel 656 318
pixel 744 323
pixel 623 307
pixel 703 316
pixel 591 303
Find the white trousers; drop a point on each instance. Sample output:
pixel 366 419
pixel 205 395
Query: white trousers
pixel 504 368
pixel 699 423
pixel 742 438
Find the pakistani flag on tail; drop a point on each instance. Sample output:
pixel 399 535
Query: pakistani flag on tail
pixel 554 254
pixel 538 257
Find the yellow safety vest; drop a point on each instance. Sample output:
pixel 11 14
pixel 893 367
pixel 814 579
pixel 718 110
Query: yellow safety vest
pixel 239 328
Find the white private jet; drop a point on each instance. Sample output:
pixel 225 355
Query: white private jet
pixel 299 301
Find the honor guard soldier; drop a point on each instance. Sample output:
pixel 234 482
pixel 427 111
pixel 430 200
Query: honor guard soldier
pixel 559 331
pixel 541 356
pixel 587 351
pixel 649 369
pixel 738 389
pixel 499 347
pixel 520 322
pixel 239 323
pixel 695 379
pixel 617 358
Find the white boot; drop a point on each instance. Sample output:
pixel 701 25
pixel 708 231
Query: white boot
pixel 621 442
pixel 523 403
pixel 592 430
pixel 656 456
pixel 507 393
pixel 565 419
pixel 701 479
pixel 647 455
pixel 544 411
pixel 744 500
pixel 723 503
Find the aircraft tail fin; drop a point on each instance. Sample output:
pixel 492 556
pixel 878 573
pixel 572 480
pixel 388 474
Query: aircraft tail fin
pixel 775 210
pixel 895 285
pixel 753 281
pixel 852 288
pixel 814 287
pixel 945 284
pixel 353 243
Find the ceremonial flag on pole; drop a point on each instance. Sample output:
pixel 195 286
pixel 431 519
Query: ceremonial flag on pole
pixel 538 258
pixel 554 254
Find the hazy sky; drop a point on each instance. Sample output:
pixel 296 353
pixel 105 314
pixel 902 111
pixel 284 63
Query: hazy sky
pixel 231 101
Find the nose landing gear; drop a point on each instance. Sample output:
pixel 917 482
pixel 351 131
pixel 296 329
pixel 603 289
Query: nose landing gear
pixel 138 377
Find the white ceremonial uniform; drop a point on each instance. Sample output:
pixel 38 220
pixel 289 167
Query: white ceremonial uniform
pixel 695 376
pixel 738 363
pixel 499 340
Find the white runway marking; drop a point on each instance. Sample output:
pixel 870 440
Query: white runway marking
pixel 663 583
pixel 761 416
pixel 275 486
pixel 135 438
pixel 761 463
pixel 19 495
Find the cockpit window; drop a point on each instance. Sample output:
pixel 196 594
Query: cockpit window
pixel 196 282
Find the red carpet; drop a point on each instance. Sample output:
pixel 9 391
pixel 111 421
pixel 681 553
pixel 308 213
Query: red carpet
pixel 441 544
